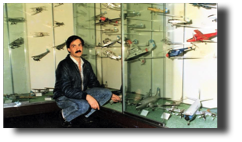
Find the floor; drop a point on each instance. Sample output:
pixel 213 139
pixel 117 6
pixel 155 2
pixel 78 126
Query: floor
pixel 54 120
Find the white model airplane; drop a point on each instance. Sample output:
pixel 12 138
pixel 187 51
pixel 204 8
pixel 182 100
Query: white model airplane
pixel 111 55
pixel 108 43
pixel 179 22
pixel 190 113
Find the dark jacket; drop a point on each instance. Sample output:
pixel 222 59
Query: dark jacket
pixel 68 79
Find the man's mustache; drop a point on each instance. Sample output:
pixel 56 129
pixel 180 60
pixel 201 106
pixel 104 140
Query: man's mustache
pixel 78 51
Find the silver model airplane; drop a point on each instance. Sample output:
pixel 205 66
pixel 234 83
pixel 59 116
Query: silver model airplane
pixel 14 21
pixel 113 6
pixel 38 57
pixel 37 10
pixel 175 110
pixel 108 42
pixel 61 46
pixel 58 24
pixel 136 98
pixel 203 114
pixel 113 30
pixel 135 51
pixel 111 55
pixel 179 22
pixel 16 43
pixel 169 42
pixel 149 101
pixel 136 26
pixel 131 14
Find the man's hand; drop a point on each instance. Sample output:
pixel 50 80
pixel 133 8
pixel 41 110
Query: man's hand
pixel 115 98
pixel 92 102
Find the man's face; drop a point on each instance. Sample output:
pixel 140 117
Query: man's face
pixel 75 48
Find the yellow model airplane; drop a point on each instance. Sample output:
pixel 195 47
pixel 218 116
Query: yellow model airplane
pixel 158 10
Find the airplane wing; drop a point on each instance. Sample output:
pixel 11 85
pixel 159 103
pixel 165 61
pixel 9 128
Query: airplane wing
pixel 203 114
pixel 38 57
pixel 199 33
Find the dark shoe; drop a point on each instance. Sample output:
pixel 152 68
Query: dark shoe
pixel 66 124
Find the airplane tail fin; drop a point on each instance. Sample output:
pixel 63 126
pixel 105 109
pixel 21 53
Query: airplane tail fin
pixel 158 92
pixel 190 22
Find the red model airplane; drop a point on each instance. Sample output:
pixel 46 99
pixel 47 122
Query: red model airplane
pixel 199 36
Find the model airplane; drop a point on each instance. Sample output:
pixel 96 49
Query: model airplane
pixel 157 10
pixel 61 46
pixel 111 55
pixel 59 4
pixel 97 17
pixel 131 14
pixel 58 24
pixel 38 57
pixel 40 34
pixel 179 22
pixel 200 37
pixel 113 30
pixel 14 21
pixel 205 5
pixel 175 102
pixel 107 42
pixel 43 91
pixel 178 52
pixel 103 20
pixel 135 51
pixel 149 101
pixel 112 6
pixel 169 42
pixel 176 111
pixel 37 10
pixel 203 114
pixel 136 98
pixel 136 26
pixel 191 112
pixel 16 43
pixel 213 17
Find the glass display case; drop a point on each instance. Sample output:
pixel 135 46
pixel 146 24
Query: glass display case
pixel 171 50
pixel 108 48
pixel 161 58
pixel 34 36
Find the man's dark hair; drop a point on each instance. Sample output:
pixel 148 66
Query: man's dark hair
pixel 72 38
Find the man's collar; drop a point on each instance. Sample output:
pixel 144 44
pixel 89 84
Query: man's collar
pixel 82 62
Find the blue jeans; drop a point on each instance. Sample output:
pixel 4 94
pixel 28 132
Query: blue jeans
pixel 72 108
